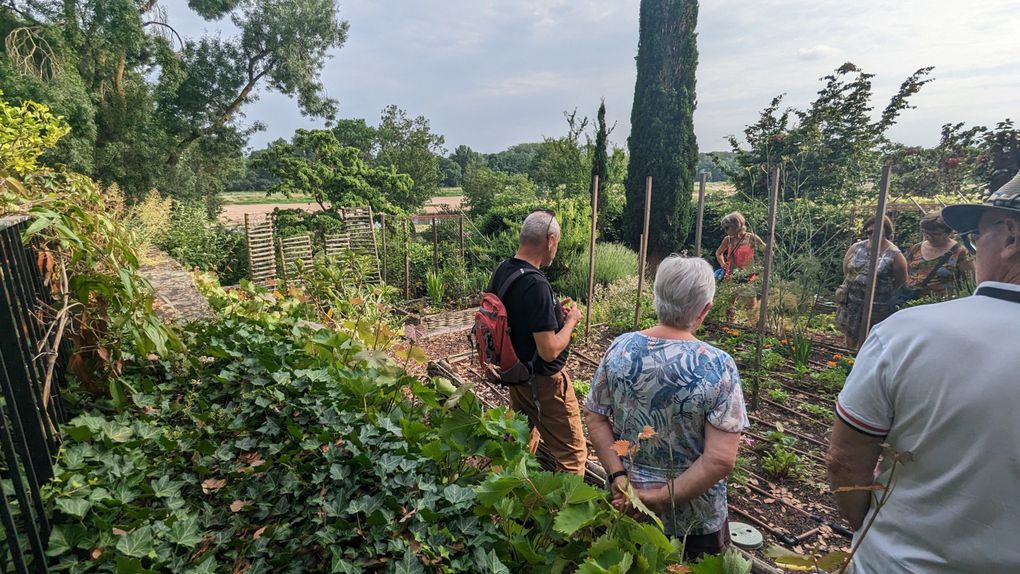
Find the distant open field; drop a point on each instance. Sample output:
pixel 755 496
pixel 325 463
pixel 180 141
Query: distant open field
pixel 257 197
pixel 237 203
pixel 257 204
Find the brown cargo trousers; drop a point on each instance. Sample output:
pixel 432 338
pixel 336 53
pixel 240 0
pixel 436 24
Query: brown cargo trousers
pixel 556 419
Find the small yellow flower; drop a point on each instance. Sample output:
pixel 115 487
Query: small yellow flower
pixel 831 364
pixel 850 361
pixel 646 433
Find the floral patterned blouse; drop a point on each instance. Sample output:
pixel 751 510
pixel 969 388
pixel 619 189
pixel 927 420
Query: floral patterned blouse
pixel 947 280
pixel 675 387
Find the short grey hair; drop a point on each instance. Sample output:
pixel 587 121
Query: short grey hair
pixel 533 232
pixel 735 219
pixel 683 286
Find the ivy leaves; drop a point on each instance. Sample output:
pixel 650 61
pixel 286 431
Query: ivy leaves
pixel 268 450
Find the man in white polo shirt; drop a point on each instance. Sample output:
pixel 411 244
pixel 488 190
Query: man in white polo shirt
pixel 943 383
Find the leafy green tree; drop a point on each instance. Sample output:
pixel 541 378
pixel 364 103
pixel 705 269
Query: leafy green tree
pixel 948 168
pixel 515 159
pixel 151 108
pixel 410 147
pixel 450 172
pixel 833 150
pixel 467 158
pixel 1001 160
pixel 253 178
pixel 662 142
pixel 562 165
pixel 713 163
pixel 314 163
pixel 485 188
pixel 358 134
pixel 600 159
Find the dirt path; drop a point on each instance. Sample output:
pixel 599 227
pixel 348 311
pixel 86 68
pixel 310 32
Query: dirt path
pixel 177 298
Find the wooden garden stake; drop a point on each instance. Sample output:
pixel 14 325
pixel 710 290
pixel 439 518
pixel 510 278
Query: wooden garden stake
pixel 407 262
pixel 382 226
pixel 701 214
pixel 435 245
pixel 876 250
pixel 643 251
pixel 460 225
pixel 283 257
pixel 591 254
pixel 765 280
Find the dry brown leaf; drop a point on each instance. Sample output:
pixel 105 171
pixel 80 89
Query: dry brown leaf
pixel 213 484
pixel 96 553
pixel 238 505
pixel 119 532
pixel 258 533
pixel 621 447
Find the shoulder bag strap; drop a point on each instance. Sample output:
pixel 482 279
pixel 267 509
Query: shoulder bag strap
pixel 509 281
pixel 941 261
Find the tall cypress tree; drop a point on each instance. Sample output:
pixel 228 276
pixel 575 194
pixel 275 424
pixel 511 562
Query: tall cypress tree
pixel 600 162
pixel 662 142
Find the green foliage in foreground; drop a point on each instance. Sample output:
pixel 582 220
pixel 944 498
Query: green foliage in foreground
pixel 278 445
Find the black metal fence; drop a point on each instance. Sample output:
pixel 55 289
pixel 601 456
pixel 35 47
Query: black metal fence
pixel 31 375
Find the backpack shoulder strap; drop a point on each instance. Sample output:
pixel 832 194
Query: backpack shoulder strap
pixel 509 281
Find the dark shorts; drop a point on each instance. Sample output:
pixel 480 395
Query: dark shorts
pixel 702 544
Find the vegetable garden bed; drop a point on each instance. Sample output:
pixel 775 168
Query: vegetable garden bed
pixel 779 485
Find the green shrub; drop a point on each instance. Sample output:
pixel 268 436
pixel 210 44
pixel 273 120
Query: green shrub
pixel 613 262
pixel 150 218
pixel 614 305
pixel 198 242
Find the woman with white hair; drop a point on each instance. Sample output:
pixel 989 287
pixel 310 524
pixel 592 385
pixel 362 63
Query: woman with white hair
pixel 677 403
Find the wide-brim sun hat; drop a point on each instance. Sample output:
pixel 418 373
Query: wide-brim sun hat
pixel 965 217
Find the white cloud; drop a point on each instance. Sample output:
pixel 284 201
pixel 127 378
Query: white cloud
pixel 524 85
pixel 491 73
pixel 816 52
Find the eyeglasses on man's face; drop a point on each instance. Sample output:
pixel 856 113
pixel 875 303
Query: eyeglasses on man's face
pixel 552 217
pixel 970 238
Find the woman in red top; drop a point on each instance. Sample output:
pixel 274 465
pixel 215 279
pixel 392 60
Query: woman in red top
pixel 737 252
pixel 737 249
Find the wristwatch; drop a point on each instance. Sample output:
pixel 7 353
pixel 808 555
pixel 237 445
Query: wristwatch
pixel 612 478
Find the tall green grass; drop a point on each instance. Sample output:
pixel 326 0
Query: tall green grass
pixel 613 262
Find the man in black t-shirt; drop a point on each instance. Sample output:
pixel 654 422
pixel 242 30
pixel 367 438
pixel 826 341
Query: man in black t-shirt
pixel 540 329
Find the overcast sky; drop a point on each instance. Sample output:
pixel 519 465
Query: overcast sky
pixel 492 74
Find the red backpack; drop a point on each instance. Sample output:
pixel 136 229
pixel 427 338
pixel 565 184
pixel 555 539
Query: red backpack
pixel 491 337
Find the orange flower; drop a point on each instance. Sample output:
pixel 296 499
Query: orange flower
pixel 735 333
pixel 837 357
pixel 782 341
pixel 831 364
pixel 646 433
pixel 621 447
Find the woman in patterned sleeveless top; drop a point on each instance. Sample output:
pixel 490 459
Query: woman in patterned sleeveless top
pixel 892 273
pixel 938 256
